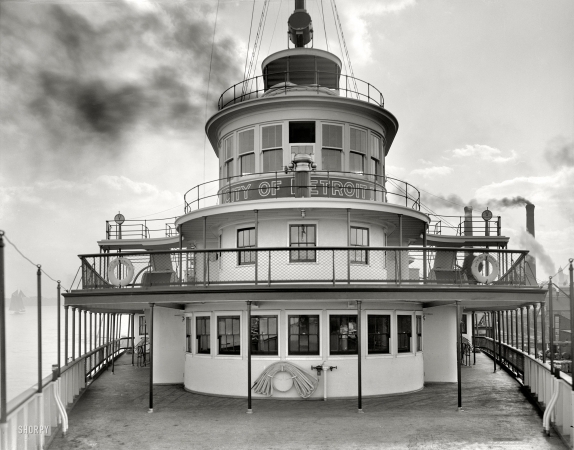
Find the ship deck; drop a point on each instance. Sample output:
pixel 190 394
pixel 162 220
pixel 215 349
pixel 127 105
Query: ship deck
pixel 112 413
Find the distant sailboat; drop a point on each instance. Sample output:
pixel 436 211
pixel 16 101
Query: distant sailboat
pixel 17 302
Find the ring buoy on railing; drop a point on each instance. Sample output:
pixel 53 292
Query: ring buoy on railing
pixel 112 269
pixel 476 270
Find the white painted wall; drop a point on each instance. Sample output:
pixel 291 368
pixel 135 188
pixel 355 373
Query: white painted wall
pixel 382 374
pixel 168 346
pixel 439 343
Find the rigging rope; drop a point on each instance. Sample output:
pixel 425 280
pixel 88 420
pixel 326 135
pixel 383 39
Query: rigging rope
pixel 275 26
pixel 256 45
pixel 324 26
pixel 338 22
pixel 208 83
pixel 249 41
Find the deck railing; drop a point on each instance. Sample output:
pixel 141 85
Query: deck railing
pixel 546 388
pixel 296 265
pixel 324 183
pixel 304 81
pixel 455 225
pixel 141 229
pixel 33 417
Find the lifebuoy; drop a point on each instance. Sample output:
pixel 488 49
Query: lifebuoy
pixel 493 265
pixel 112 269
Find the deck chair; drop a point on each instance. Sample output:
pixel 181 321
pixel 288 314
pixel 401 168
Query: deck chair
pixel 161 273
pixel 445 268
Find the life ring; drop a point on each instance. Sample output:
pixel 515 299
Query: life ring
pixel 476 272
pixel 112 269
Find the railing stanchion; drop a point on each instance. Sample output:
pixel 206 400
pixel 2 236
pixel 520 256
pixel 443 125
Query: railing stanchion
pixel 269 270
pixel 334 275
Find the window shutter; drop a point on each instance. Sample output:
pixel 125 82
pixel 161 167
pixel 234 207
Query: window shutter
pixel 332 136
pixel 246 141
pixel 358 140
pixel 271 137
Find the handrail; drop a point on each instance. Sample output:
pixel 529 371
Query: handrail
pixel 240 95
pixel 405 190
pixel 138 228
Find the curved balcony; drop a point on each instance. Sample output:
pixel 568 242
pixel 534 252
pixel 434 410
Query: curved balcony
pixel 457 225
pixel 342 266
pixel 307 82
pixel 328 184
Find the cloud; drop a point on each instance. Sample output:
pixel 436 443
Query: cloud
pixel 430 172
pixel 560 153
pixel 79 81
pixel 484 152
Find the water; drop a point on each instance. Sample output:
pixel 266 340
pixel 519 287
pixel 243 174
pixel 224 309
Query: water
pixel 22 345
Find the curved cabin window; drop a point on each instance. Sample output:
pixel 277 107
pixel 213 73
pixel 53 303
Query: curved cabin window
pixel 246 239
pixel 264 335
pixel 404 331
pixel 332 150
pixel 227 148
pixel 343 335
pixel 271 145
pixel 358 150
pixel 202 335
pixel 246 150
pixel 359 238
pixel 228 335
pixel 302 236
pixel 304 335
pixel 379 334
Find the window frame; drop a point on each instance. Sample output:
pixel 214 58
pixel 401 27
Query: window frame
pixel 197 335
pixel 366 252
pixel 252 254
pixel 362 156
pixel 142 325
pixel 277 334
pixel 341 339
pixel 315 244
pixel 264 149
pixel 389 334
pixel 327 148
pixel 188 334
pixel 464 324
pixel 419 332
pixel 228 315
pixel 408 350
pixel 308 354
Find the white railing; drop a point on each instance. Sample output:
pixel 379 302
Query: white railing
pixel 554 394
pixel 33 417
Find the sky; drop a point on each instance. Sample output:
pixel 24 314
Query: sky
pixel 103 105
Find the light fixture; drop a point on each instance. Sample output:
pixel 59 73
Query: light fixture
pixel 119 218
pixel 302 213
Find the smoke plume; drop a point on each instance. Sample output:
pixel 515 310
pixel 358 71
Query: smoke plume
pixel 527 241
pixel 559 153
pixel 453 201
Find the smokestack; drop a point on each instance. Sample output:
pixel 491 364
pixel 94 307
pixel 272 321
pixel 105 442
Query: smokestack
pixel 530 219
pixel 530 260
pixel 468 221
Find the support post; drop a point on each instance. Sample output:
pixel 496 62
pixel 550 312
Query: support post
pixel 39 276
pixel 79 332
pixel 359 360
pixel 133 337
pixel 59 326
pixel 66 307
pixel 249 409
pixel 400 245
pixel 571 307
pixel 522 328
pixel 535 333
pixel 551 324
pixel 205 258
pixel 3 390
pixel 348 245
pixel 543 330
pixel 151 359
pixel 73 333
pixel 528 329
pixel 474 334
pixel 180 256
pixel 256 244
pixel 425 275
pixel 494 339
pixel 499 320
pixel 512 341
pixel 516 325
pixel 113 342
pixel 458 354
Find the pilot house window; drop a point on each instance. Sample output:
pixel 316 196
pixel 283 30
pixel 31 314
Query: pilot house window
pixel 246 144
pixel 271 145
pixel 332 147
pixel 358 150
